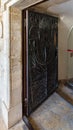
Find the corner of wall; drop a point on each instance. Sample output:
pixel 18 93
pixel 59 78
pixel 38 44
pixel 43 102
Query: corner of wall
pixel 5 113
pixel 13 115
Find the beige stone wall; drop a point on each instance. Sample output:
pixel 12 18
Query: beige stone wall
pixel 15 66
pixel 12 67
pixel 70 56
pixel 21 4
pixel 65 24
pixel 12 61
pixel 16 56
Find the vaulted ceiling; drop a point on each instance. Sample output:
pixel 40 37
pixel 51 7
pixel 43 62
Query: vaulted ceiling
pixel 57 7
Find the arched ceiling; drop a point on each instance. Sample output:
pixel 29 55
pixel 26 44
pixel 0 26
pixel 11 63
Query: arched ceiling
pixel 58 7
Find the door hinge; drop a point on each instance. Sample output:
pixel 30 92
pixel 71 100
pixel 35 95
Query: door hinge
pixel 26 102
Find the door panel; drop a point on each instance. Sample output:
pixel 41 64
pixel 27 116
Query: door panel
pixel 41 58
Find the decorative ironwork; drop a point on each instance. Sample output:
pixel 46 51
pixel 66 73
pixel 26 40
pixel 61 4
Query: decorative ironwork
pixel 42 57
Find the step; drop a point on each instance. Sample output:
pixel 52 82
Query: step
pixel 65 92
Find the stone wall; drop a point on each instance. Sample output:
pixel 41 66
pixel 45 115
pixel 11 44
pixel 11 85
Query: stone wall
pixel 65 25
pixel 12 60
pixel 12 67
pixel 16 56
pixel 16 64
pixel 1 57
pixel 6 65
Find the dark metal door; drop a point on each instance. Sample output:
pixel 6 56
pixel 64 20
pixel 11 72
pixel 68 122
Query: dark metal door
pixel 41 58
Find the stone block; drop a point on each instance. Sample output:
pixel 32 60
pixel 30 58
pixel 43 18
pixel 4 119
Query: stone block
pixel 13 115
pixel 16 97
pixel 16 74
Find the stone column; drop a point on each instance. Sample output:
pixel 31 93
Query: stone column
pixel 12 101
pixel 16 64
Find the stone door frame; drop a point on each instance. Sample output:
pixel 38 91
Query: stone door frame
pixel 12 104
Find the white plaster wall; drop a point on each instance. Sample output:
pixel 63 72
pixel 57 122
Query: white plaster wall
pixel 1 61
pixel 5 66
pixel 70 58
pixel 6 63
pixel 65 24
pixel 1 68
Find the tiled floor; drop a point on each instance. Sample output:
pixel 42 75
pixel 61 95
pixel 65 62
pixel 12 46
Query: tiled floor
pixel 54 114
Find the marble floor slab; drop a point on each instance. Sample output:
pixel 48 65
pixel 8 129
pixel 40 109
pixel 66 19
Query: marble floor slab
pixel 54 114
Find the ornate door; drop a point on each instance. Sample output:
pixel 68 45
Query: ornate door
pixel 41 58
